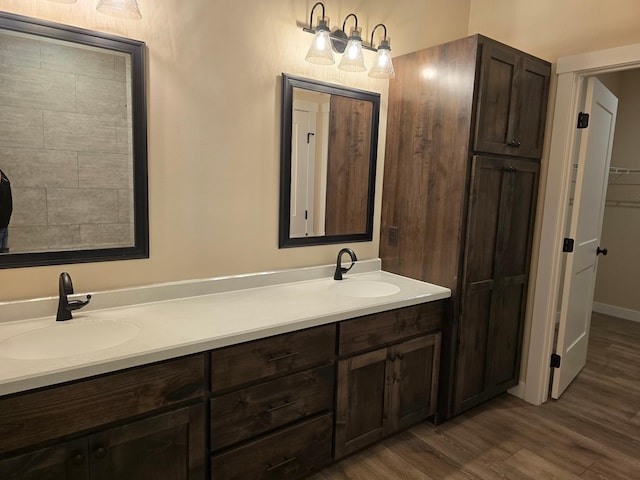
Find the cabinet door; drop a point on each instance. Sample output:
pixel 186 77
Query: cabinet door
pixel 495 130
pixel 496 268
pixel 414 389
pixel 66 461
pixel 167 446
pixel 512 102
pixel 531 110
pixel 362 401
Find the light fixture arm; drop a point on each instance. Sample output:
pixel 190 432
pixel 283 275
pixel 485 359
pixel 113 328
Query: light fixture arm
pixel 344 24
pixel 311 16
pixel 374 31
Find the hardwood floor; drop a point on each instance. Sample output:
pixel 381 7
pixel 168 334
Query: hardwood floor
pixel 592 432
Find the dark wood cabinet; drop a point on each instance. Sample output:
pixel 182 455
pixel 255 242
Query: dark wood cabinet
pixel 512 102
pixel 460 190
pixel 382 391
pixel 167 445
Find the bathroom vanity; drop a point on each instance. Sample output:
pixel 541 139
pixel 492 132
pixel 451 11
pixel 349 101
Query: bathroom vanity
pixel 273 380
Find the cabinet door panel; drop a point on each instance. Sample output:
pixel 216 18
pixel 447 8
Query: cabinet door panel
pixel 517 216
pixel 497 100
pixel 532 108
pixel 168 446
pixel 471 369
pixel 362 400
pixel 415 381
pixel 506 335
pixel 67 461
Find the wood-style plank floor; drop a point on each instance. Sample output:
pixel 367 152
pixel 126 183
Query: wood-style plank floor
pixel 592 432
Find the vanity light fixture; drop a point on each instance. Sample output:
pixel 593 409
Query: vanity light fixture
pixel 383 65
pixel 326 42
pixel 120 8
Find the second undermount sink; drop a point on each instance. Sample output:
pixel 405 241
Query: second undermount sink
pixel 66 340
pixel 364 288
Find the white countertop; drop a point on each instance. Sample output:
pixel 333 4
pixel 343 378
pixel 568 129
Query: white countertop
pixel 180 326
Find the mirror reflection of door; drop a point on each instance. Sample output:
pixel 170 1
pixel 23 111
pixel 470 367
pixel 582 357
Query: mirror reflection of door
pixel 348 165
pixel 309 142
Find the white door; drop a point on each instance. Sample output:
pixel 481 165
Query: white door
pixel 303 149
pixel 594 156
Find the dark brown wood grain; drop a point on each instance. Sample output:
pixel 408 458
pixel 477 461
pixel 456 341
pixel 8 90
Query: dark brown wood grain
pixel 291 453
pixel 274 356
pixel 252 411
pixel 379 329
pixel 349 157
pixel 468 97
pixel 33 417
pixel 427 151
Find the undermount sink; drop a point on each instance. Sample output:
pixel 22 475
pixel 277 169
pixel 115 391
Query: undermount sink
pixel 364 288
pixel 66 340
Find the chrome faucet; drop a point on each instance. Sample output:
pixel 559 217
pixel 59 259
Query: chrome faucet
pixel 339 268
pixel 65 307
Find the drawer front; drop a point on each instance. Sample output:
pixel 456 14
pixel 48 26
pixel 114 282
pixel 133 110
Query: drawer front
pixel 279 355
pixel 239 415
pixel 379 329
pixel 29 418
pixel 291 453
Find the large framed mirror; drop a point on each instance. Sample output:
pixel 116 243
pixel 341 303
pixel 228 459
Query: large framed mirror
pixel 73 145
pixel 329 142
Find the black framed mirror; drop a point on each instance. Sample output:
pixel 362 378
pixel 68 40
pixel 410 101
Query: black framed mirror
pixel 329 142
pixel 73 144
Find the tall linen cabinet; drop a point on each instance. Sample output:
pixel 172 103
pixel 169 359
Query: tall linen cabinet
pixel 464 139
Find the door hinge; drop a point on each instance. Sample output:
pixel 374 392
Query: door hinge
pixel 567 245
pixel 555 360
pixel 583 120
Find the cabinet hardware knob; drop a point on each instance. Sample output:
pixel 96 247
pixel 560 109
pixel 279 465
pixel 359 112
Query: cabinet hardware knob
pixel 514 144
pixel 283 405
pixel 602 251
pixel 400 356
pixel 281 464
pixel 100 452
pixel 78 459
pixel 282 357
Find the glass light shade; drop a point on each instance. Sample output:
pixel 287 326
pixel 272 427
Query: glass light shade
pixel 353 58
pixel 383 65
pixel 120 8
pixel 320 51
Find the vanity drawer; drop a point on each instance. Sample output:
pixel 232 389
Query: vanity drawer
pixel 379 329
pixel 279 355
pixel 32 417
pixel 291 453
pixel 239 415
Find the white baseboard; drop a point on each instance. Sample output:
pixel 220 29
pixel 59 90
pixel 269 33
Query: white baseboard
pixel 614 311
pixel 518 390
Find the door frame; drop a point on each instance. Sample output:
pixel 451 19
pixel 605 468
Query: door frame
pixel 571 73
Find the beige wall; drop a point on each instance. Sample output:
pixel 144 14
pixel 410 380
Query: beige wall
pixel 618 272
pixel 213 110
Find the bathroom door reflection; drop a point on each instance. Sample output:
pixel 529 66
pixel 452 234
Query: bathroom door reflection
pixel 330 163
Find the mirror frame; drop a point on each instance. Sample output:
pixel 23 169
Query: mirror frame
pixel 136 49
pixel 288 84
